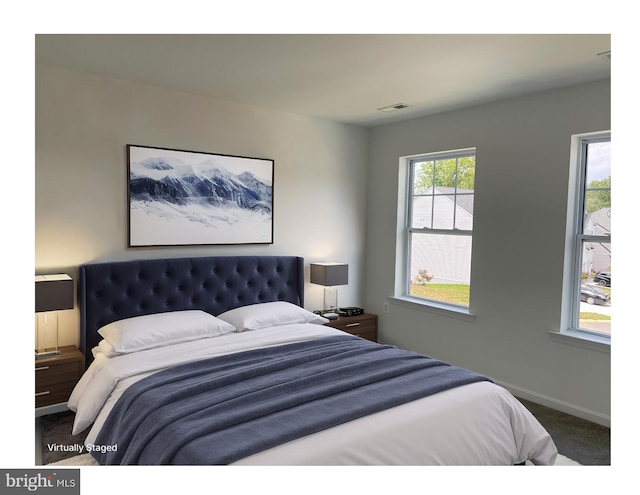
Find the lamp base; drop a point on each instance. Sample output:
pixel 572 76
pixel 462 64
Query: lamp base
pixel 47 335
pixel 47 354
pixel 330 299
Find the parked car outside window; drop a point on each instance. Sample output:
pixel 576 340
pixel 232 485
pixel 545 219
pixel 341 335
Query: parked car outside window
pixel 593 295
pixel 603 278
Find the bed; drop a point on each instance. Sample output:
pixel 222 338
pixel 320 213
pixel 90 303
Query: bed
pixel 215 361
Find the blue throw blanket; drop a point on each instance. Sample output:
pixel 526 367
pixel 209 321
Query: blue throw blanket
pixel 222 409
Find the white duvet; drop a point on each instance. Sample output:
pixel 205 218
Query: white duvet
pixel 476 424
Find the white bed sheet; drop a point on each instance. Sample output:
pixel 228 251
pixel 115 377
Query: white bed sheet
pixel 476 424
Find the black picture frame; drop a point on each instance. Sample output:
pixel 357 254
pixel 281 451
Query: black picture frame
pixel 186 198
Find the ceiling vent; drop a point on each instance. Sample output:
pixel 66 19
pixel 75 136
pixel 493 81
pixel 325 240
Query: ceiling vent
pixel 393 108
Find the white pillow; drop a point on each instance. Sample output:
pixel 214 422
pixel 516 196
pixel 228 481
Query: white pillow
pixel 271 314
pixel 105 348
pixel 156 330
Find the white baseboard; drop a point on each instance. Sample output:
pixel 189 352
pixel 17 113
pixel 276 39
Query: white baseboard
pixel 565 407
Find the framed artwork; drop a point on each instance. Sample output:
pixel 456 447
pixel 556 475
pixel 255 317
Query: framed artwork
pixel 179 198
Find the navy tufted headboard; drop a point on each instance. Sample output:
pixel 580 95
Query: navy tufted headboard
pixel 115 290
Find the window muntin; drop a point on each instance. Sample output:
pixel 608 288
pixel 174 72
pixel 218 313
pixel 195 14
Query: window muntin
pixel 592 294
pixel 439 227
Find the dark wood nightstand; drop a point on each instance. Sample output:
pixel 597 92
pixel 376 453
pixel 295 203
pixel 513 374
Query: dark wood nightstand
pixel 57 375
pixel 365 325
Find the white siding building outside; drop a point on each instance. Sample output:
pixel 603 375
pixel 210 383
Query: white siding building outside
pixel 433 252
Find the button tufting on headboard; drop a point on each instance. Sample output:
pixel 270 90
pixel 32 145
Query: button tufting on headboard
pixel 115 290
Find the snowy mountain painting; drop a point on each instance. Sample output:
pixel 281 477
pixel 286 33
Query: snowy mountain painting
pixel 185 197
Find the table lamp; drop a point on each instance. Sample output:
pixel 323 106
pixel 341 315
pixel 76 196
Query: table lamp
pixel 330 274
pixel 53 293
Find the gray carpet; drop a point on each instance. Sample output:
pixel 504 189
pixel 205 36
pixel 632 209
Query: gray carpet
pixel 55 430
pixel 585 442
pixel 578 439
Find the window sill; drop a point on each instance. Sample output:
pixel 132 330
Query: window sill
pixel 583 339
pixel 433 307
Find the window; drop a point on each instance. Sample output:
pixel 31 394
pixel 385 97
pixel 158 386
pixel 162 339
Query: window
pixel 591 274
pixel 439 227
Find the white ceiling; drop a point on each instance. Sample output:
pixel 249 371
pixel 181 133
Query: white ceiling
pixel 339 77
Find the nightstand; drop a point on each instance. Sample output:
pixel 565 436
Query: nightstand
pixel 365 325
pixel 57 375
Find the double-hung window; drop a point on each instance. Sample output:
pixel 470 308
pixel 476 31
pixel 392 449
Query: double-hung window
pixel 439 227
pixel 591 286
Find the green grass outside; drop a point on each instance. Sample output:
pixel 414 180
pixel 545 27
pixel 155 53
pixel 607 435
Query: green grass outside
pixel 451 293
pixel 459 294
pixel 594 317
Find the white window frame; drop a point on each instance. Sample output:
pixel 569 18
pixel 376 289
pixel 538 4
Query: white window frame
pixel 403 292
pixel 570 332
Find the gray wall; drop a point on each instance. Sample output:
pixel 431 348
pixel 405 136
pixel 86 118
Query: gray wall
pixel 83 123
pixel 518 245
